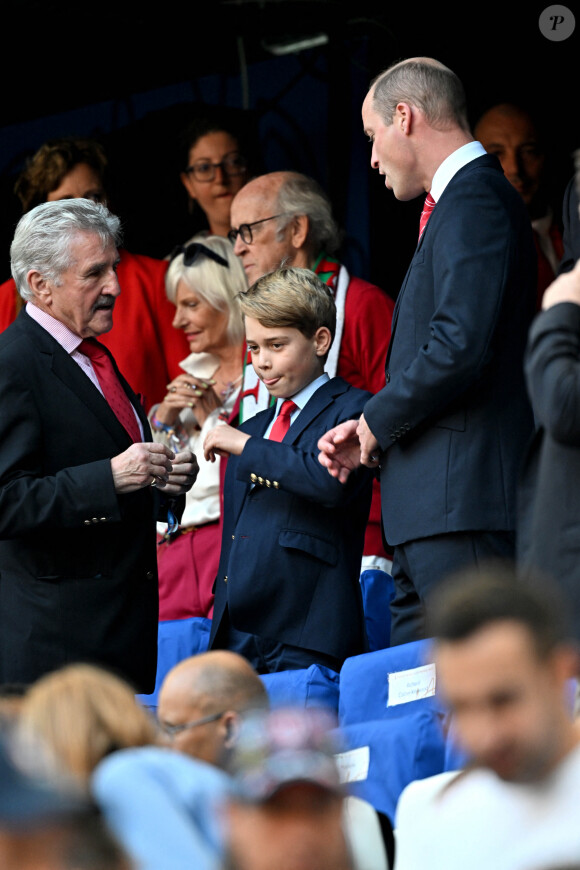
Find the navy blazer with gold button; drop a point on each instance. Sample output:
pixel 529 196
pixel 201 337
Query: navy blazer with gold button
pixel 293 535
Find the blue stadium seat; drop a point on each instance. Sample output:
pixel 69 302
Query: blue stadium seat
pixel 316 686
pixel 364 683
pixel 378 590
pixel 177 639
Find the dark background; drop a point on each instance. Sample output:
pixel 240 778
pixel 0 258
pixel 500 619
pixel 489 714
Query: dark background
pixel 131 76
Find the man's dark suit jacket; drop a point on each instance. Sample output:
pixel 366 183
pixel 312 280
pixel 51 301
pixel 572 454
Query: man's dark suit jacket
pixel 454 417
pixel 78 572
pixel 293 535
pixel 549 494
pixel 571 222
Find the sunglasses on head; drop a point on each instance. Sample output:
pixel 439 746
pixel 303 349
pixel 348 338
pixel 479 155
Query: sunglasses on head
pixel 194 250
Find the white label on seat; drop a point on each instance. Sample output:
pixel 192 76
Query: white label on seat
pixel 406 686
pixel 353 766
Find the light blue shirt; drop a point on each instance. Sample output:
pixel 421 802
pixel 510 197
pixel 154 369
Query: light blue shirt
pixel 300 399
pixel 452 164
pixel 164 807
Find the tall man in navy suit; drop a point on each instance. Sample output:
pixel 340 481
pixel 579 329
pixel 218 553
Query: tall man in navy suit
pixel 81 481
pixel 450 426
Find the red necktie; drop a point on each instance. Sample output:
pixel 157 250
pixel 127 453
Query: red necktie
pixel 111 386
pixel 282 421
pixel 428 207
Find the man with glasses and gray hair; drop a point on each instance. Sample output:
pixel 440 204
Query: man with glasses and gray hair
pixel 285 218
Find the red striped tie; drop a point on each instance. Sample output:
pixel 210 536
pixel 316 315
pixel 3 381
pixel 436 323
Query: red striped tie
pixel 111 386
pixel 282 421
pixel 428 207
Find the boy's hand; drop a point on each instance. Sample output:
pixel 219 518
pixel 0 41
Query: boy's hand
pixel 223 439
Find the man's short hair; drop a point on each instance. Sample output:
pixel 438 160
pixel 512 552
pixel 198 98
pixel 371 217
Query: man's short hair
pixel 426 84
pixel 471 600
pixel 301 195
pixel 43 235
pixel 291 297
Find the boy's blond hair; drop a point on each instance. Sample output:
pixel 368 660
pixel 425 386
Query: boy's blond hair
pixel 291 297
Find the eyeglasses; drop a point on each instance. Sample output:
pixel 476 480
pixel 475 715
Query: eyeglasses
pixel 174 730
pixel 245 230
pixel 232 164
pixel 194 250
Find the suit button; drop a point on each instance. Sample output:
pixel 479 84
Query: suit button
pixel 233 537
pixel 150 575
pixel 225 579
pixel 103 519
pixel 267 482
pixel 95 520
pixel 261 481
pixel 253 477
pixel 276 485
pixel 387 377
pixel 87 522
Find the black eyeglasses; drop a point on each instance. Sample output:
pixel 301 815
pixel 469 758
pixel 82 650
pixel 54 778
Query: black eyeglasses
pixel 245 230
pixel 232 164
pixel 194 250
pixel 174 730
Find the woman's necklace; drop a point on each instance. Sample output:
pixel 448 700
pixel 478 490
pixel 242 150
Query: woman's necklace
pixel 228 387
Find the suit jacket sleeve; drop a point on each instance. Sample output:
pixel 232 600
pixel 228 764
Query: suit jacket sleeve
pixel 552 368
pixel 571 223
pixel 297 471
pixel 474 252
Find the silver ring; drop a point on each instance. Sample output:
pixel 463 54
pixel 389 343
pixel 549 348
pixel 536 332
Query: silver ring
pixel 154 481
pixel 172 389
pixel 373 457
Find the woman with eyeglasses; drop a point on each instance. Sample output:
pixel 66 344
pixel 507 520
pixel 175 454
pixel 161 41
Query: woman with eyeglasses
pixel 203 281
pixel 218 163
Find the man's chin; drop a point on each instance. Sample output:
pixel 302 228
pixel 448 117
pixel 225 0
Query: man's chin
pixel 102 321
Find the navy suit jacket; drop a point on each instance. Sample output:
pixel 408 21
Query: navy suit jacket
pixel 571 222
pixel 453 418
pixel 548 539
pixel 78 569
pixel 293 535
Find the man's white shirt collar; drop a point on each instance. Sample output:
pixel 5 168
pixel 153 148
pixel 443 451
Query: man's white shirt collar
pixel 452 164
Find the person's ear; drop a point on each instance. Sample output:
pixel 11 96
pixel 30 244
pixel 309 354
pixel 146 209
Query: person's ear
pixel 40 286
pixel 231 727
pixel 403 118
pixel 322 340
pixel 299 227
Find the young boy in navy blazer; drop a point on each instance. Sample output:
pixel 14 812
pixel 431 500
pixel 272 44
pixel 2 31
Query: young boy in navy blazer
pixel 287 593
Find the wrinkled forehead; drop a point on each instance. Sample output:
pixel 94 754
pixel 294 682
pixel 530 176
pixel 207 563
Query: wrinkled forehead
pixel 253 205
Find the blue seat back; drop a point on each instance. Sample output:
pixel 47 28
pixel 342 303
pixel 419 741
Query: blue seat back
pixel 381 757
pixel 365 681
pixel 316 686
pixel 378 590
pixel 177 639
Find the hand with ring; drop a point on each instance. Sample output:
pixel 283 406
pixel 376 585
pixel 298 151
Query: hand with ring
pixel 186 391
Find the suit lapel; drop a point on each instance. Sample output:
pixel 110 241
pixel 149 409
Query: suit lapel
pixel 321 399
pixel 67 370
